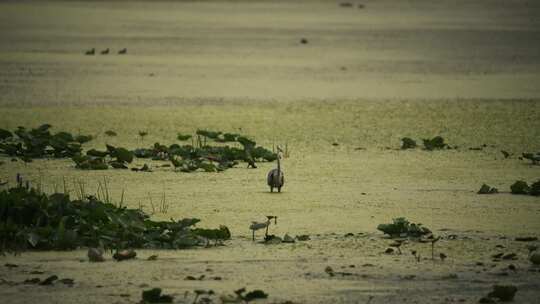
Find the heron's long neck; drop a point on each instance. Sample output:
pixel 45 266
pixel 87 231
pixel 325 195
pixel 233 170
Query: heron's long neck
pixel 278 165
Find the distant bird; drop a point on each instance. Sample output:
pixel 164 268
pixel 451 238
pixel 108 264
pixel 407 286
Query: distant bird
pixel 122 51
pixel 105 51
pixel 275 177
pixel 304 41
pixel 92 51
pixel 442 256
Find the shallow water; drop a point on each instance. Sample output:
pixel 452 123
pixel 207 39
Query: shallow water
pixel 180 50
pixel 367 78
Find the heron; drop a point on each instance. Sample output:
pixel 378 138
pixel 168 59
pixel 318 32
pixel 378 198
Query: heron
pixel 275 177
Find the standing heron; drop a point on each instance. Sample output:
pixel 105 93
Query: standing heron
pixel 275 177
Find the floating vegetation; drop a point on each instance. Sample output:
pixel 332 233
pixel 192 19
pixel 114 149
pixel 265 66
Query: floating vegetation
pixel 183 137
pixel 97 160
pixel 30 219
pixel 401 227
pixel 110 133
pixel 533 157
pixel 407 143
pixel 521 187
pixel 535 258
pixel 206 157
pixel 154 295
pixel 86 162
pixel 486 189
pixel 40 143
pixel 216 235
pixel 435 143
pixel 242 296
pixel 504 293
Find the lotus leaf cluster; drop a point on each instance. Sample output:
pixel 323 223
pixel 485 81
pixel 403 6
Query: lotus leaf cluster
pixel 401 227
pixel 206 157
pixel 116 157
pixel 40 143
pixel 521 187
pixel 407 143
pixel 30 219
pixel 435 143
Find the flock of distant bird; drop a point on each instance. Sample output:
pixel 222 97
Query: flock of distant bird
pixel 106 51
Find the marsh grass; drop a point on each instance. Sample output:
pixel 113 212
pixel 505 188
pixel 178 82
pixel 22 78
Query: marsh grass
pixel 103 191
pixel 160 207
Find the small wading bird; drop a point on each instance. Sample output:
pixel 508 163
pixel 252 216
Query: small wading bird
pixel 257 226
pixel 122 51
pixel 275 177
pixel 105 51
pixel 92 51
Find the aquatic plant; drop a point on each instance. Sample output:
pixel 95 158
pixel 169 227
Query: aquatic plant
pixel 407 143
pixel 86 162
pixel 533 157
pixel 183 137
pixel 486 189
pixel 40 143
pixel 5 134
pixel 401 227
pixel 208 134
pixel 535 188
pixel 520 187
pixel 31 219
pixel 110 133
pixel 154 295
pixel 435 143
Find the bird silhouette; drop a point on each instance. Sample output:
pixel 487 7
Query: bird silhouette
pixel 91 51
pixel 275 178
pixel 442 256
pixel 105 51
pixel 122 51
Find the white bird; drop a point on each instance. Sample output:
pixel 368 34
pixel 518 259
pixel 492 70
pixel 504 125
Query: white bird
pixel 275 177
pixel 258 226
